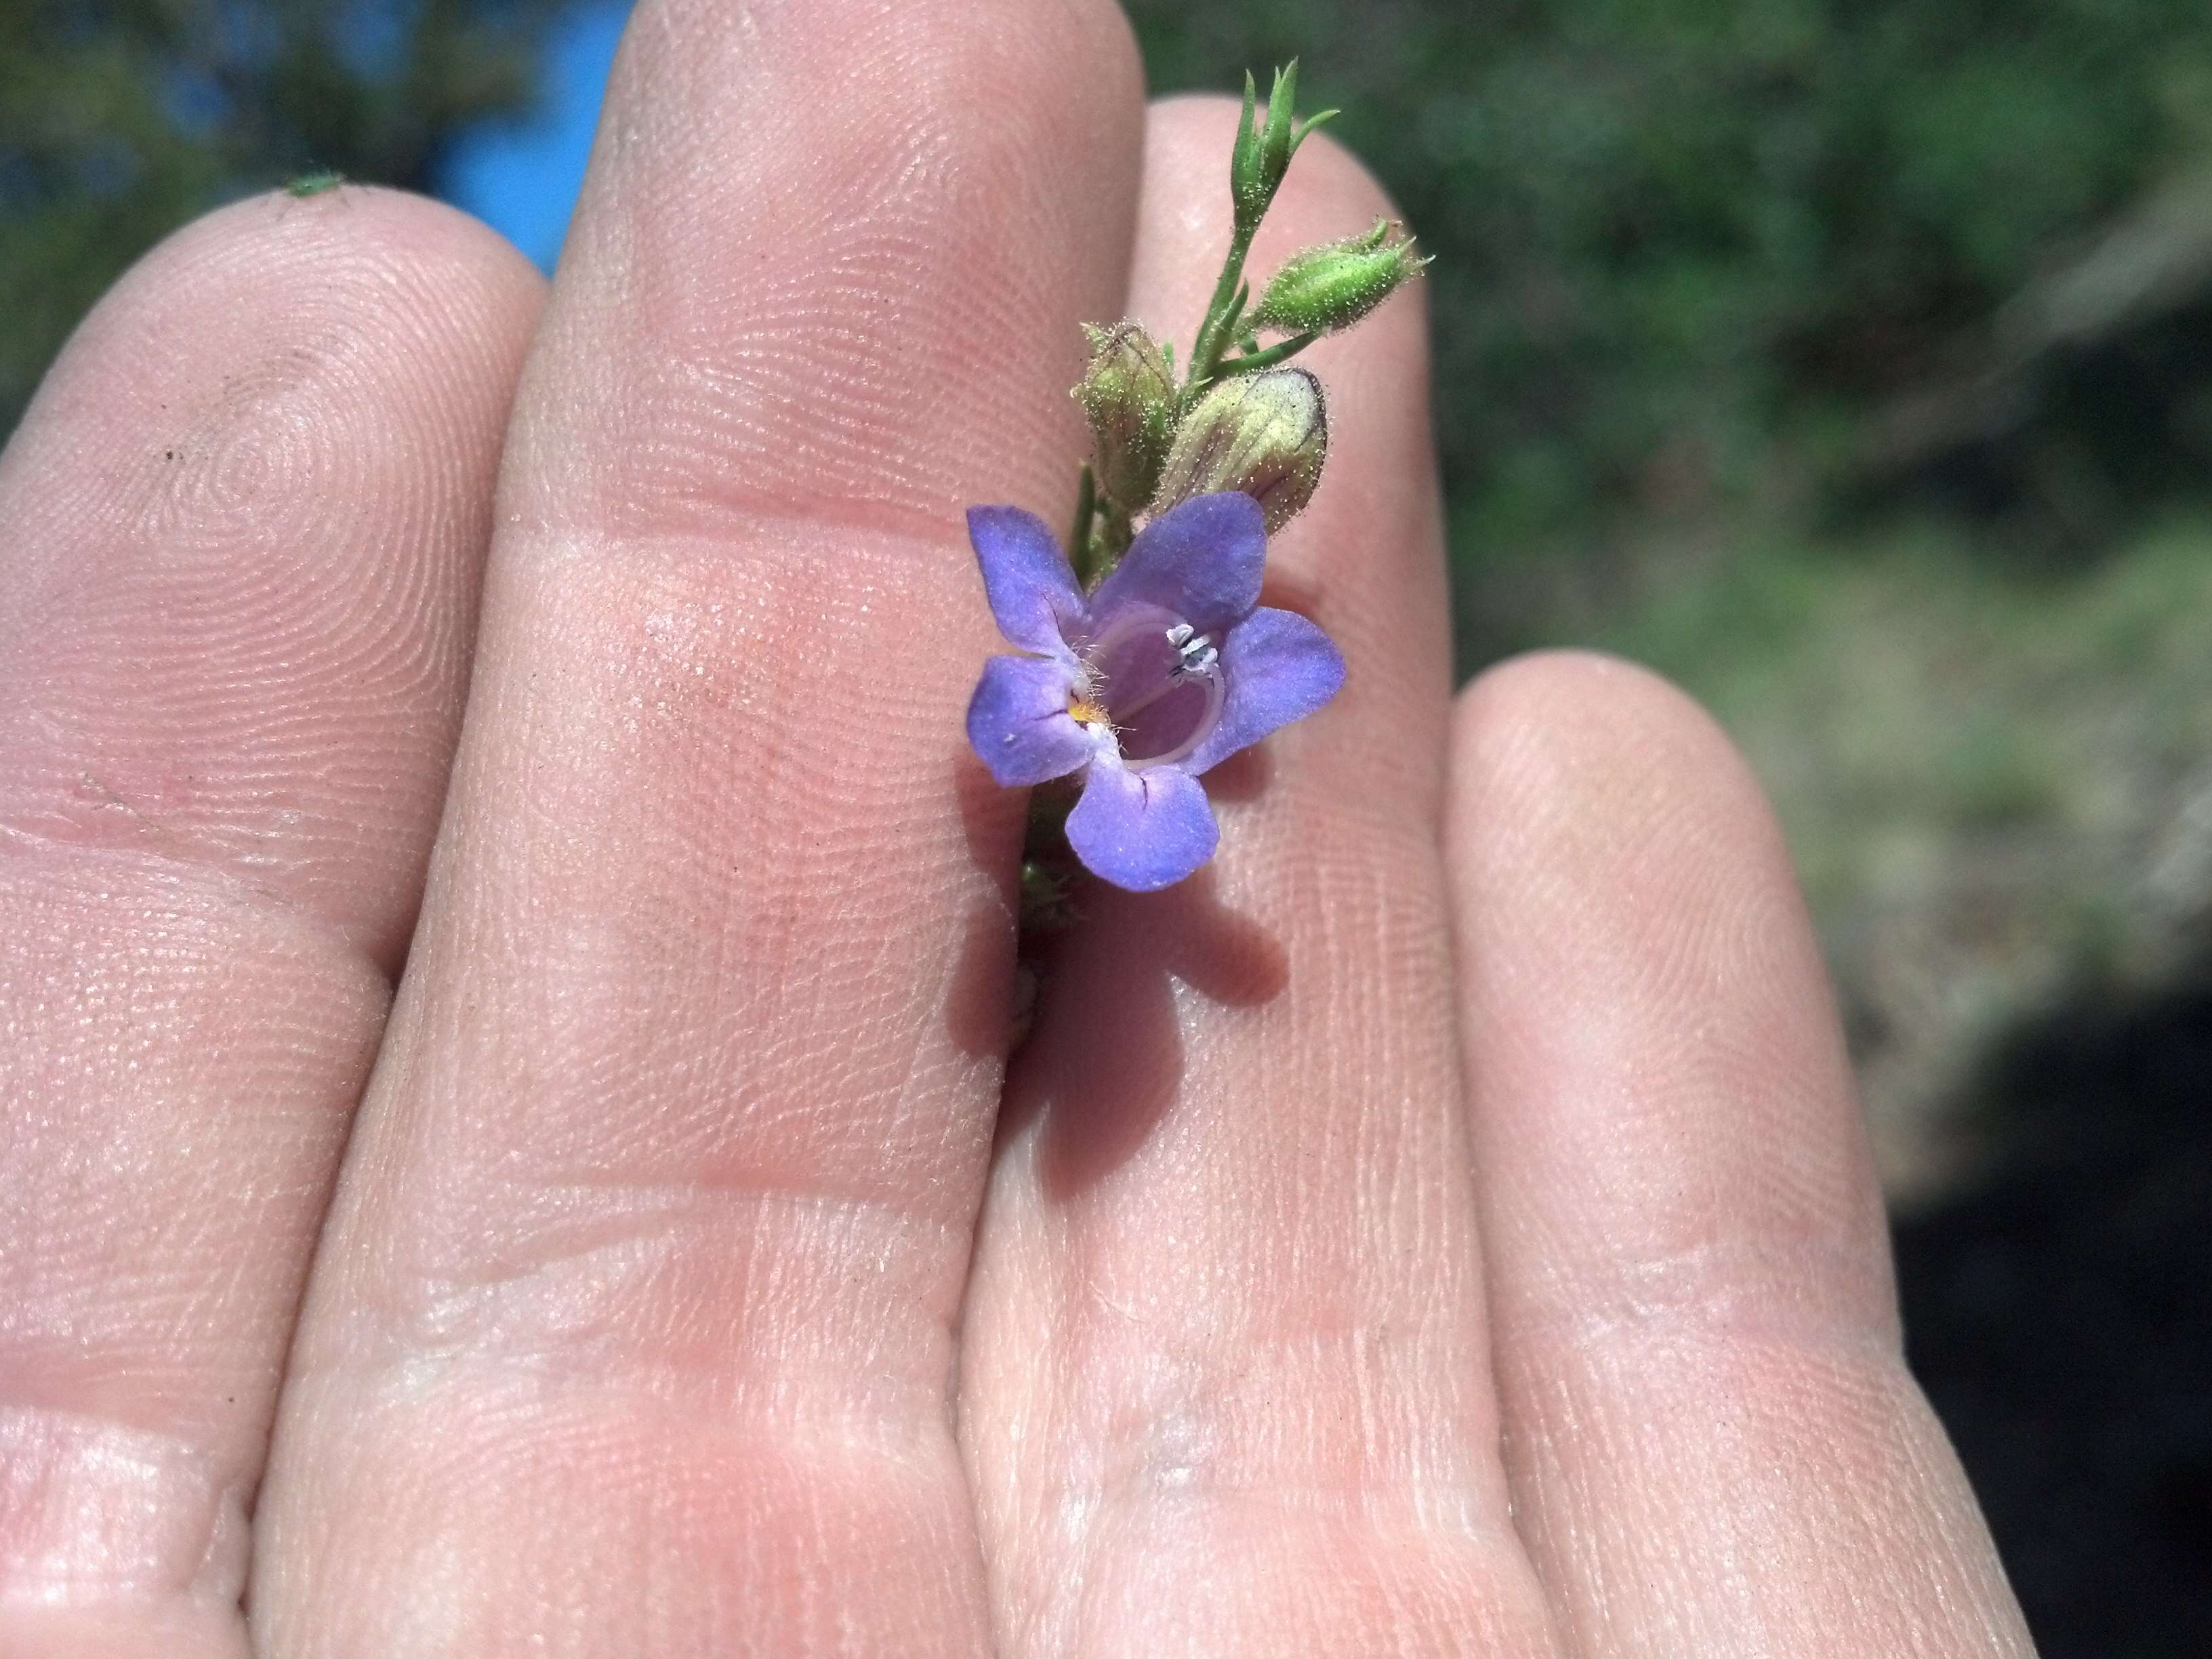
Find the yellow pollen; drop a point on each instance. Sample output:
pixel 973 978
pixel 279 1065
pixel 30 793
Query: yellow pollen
pixel 1085 712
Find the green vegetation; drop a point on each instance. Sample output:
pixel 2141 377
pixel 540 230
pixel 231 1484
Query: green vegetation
pixel 121 119
pixel 1737 309
pixel 1675 237
pixel 1997 779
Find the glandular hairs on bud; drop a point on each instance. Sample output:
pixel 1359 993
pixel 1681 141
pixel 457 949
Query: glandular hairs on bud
pixel 1321 289
pixel 1264 434
pixel 1129 392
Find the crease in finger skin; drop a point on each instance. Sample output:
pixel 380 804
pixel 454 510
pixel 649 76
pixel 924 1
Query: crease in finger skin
pixel 239 596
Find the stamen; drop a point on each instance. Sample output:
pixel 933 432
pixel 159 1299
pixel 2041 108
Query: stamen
pixel 1153 683
pixel 1195 653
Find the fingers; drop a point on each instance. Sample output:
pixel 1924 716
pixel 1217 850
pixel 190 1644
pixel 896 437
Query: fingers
pixel 631 1333
pixel 1714 1446
pixel 1223 1379
pixel 245 521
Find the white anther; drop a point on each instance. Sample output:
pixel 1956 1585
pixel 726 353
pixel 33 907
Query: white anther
pixel 1195 653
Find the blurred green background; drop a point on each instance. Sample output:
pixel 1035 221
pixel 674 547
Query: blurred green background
pixel 1849 360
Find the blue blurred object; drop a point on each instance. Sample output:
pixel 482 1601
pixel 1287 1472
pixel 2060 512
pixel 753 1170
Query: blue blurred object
pixel 521 177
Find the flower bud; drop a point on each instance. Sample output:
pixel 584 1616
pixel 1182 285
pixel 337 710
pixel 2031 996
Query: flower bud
pixel 1264 434
pixel 1322 290
pixel 1265 144
pixel 1129 393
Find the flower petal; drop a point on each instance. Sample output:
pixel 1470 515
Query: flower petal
pixel 1018 723
pixel 1279 667
pixel 1202 561
pixel 1026 578
pixel 1143 829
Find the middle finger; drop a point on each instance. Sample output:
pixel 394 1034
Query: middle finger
pixel 631 1331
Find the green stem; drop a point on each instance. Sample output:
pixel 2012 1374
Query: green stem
pixel 1206 350
pixel 1078 539
pixel 1252 361
pixel 1112 541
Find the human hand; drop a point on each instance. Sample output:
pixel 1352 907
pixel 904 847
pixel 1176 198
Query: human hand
pixel 693 1278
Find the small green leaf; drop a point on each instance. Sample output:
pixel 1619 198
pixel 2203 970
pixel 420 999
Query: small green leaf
pixel 1245 188
pixel 1282 100
pixel 1298 133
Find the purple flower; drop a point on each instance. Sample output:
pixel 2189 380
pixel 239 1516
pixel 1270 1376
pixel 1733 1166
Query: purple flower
pixel 1170 668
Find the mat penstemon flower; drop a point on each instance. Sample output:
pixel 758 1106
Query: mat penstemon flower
pixel 1170 667
pixel 1145 657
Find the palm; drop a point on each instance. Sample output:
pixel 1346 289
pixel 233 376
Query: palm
pixel 685 1284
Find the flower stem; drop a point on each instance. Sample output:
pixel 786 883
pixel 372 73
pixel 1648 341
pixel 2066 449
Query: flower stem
pixel 1251 363
pixel 1216 332
pixel 1050 869
pixel 1112 541
pixel 1080 553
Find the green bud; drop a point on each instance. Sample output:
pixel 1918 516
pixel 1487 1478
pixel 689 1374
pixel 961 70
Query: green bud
pixel 1264 146
pixel 1265 433
pixel 1129 393
pixel 1322 290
